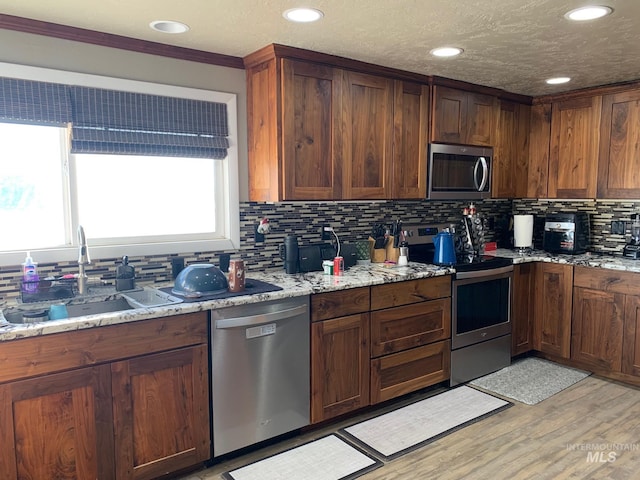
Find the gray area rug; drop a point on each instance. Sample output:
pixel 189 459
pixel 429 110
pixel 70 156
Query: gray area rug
pixel 327 458
pixel 530 380
pixel 412 426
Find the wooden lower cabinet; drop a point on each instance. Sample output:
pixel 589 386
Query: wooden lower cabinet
pixel 553 304
pixel 126 401
pixel 597 328
pixel 161 412
pixel 339 366
pixel 410 370
pixel 58 426
pixel 522 312
pixel 631 337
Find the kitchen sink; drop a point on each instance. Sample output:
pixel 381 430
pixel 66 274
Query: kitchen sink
pixel 78 307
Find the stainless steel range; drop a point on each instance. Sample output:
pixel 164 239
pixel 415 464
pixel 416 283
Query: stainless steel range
pixel 481 298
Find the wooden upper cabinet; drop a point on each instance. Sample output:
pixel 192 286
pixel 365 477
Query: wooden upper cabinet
pixel 573 160
pixel 310 131
pixel 463 117
pixel 619 162
pixel 539 146
pixel 367 136
pixel 511 152
pixel 410 126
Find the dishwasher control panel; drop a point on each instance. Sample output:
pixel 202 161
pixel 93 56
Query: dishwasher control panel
pixel 260 331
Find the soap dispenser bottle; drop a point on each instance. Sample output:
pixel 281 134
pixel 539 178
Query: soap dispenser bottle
pixel 125 275
pixel 30 276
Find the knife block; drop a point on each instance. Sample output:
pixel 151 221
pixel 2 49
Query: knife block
pixel 378 255
pixel 392 252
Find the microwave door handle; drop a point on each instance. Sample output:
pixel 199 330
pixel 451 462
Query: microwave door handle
pixel 485 173
pixel 475 174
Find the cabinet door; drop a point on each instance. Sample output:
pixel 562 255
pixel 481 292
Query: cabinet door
pixel 339 366
pixel 161 412
pixel 449 122
pixel 523 308
pixel 58 426
pixel 311 166
pixel 597 327
pixel 511 152
pixel 403 372
pixel 367 107
pixel 553 293
pixel 631 339
pixel 619 162
pixel 482 117
pixel 539 147
pixel 411 128
pixel 573 160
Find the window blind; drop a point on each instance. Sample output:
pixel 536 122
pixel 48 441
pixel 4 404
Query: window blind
pixel 34 103
pixel 116 122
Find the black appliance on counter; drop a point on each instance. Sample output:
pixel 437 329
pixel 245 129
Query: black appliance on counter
pixel 309 258
pixel 566 233
pixel 481 297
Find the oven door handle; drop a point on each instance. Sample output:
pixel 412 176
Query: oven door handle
pixel 484 273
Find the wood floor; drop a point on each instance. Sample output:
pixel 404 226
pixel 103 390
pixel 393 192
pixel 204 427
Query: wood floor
pixel 550 440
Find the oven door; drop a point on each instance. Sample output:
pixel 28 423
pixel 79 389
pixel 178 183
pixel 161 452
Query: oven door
pixel 481 306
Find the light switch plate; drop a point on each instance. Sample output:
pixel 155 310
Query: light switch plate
pixel 618 227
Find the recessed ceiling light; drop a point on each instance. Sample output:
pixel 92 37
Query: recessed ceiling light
pixel 303 15
pixel 446 52
pixel 169 26
pixel 557 80
pixel 590 12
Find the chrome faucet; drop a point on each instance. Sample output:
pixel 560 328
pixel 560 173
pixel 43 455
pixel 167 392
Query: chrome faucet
pixel 83 260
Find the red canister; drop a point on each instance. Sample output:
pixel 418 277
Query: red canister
pixel 338 266
pixel 236 275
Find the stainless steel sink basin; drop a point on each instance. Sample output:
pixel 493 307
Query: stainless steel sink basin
pixel 143 298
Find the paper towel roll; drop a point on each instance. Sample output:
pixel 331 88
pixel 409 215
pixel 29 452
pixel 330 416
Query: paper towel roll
pixel 522 231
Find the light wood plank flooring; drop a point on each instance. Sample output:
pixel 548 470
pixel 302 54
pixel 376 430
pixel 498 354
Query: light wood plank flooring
pixel 544 441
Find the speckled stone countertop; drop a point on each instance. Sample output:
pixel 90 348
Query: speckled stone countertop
pixel 296 285
pixel 585 260
pixel 292 285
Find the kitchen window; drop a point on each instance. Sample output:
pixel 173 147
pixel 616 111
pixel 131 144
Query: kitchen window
pixel 131 196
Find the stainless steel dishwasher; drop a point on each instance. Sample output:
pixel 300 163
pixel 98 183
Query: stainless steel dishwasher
pixel 260 384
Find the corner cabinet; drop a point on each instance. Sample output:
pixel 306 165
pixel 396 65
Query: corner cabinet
pixel 125 401
pixel 523 308
pixel 319 132
pixel 463 117
pixel 511 152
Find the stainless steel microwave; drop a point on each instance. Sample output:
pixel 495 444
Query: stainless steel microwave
pixel 459 172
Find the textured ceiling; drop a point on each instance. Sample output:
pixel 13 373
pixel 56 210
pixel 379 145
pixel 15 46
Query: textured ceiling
pixel 509 44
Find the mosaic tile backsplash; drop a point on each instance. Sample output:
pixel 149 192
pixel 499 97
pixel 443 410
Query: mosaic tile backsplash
pixel 351 221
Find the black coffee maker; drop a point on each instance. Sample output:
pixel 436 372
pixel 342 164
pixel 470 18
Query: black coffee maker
pixel 289 252
pixel 632 249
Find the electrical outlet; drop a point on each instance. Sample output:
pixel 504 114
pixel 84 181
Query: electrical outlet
pixel 618 227
pixel 326 232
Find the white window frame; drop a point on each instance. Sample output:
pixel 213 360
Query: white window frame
pixel 229 210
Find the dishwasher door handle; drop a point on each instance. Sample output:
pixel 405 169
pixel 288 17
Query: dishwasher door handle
pixel 260 318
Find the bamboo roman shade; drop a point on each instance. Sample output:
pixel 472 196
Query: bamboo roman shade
pixel 37 103
pixel 117 122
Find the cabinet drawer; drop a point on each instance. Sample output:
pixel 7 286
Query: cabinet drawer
pixel 607 280
pixel 400 373
pixel 339 303
pixel 400 328
pixel 411 291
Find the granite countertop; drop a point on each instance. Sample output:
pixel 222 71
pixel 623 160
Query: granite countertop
pixel 292 285
pixel 300 284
